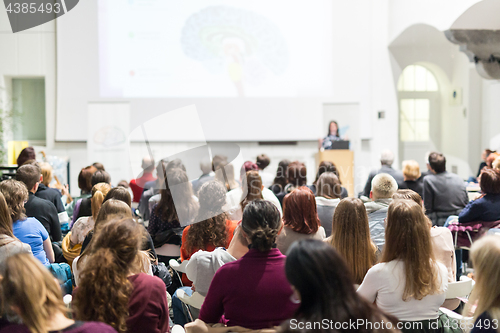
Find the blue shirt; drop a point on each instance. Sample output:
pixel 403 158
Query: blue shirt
pixel 32 232
pixel 485 209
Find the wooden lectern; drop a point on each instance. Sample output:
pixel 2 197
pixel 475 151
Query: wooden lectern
pixel 344 161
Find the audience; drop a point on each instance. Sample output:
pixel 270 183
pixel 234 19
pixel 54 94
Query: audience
pixel 383 187
pixel 300 218
pixel 26 154
pixel 444 192
pixel 137 185
pixel 327 166
pixel 154 189
pixel 27 229
pixel 412 176
pixel 252 292
pixel 484 157
pixel 83 207
pixel 9 244
pixel 408 283
pixel 29 291
pixel 296 175
pixel 323 286
pixel 85 185
pixel 386 160
pixel 327 198
pixel 51 194
pixel 206 175
pixel 280 180
pixel 263 162
pixel 351 238
pixel 114 290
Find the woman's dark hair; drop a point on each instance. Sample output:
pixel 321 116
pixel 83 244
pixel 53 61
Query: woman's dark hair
pixel 263 161
pixel 490 181
pixel 296 174
pixel 328 186
pixel 100 176
pixel 98 166
pixel 326 166
pixel 119 193
pixel 330 124
pixel 85 179
pixel 281 179
pixel 261 223
pixel 321 277
pixel 26 154
pixel 300 212
pixel 212 228
pixel 253 183
pixel 175 164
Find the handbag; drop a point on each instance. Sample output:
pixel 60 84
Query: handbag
pixel 160 270
pixel 170 236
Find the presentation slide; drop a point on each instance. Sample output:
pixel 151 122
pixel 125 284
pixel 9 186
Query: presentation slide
pixel 212 49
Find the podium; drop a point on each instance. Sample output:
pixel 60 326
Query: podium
pixel 344 161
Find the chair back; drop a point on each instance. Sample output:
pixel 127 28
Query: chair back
pixel 179 267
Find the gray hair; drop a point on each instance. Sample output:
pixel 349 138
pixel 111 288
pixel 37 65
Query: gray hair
pixel 387 157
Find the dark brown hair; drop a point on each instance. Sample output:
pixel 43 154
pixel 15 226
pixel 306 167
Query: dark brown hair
pixel 98 166
pixel 100 176
pixel 437 162
pixel 263 161
pixel 85 178
pixel 29 175
pixel 15 194
pixel 119 193
pixel 281 172
pixel 253 184
pixel 27 153
pixel 326 166
pixel 299 211
pixel 490 181
pixel 328 186
pixel 261 223
pixel 296 174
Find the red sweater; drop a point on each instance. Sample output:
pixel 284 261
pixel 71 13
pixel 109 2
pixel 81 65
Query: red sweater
pixel 137 185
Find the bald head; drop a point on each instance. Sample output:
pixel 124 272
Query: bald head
pixel 383 186
pixel 148 164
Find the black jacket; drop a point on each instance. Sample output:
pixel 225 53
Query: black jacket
pixel 52 195
pixel 45 212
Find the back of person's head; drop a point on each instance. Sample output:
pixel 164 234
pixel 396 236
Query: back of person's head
pixel 321 277
pixel 247 166
pixel 123 183
pixel 281 174
pixel 351 237
pixel 85 178
pixel 328 186
pixel 253 184
pixel 326 166
pixel 383 186
pixel 100 176
pixel 27 153
pixel 29 175
pixel 217 160
pixel 211 228
pixel 408 238
pixel 205 166
pixel 15 194
pixel 98 166
pixel 263 161
pixel 113 255
pixel 119 193
pixel 296 174
pixel 406 194
pixel 30 290
pixel 437 162
pixel 386 157
pixel 175 164
pixel 99 192
pixel 411 170
pixel 261 223
pixel 490 181
pixel 5 219
pixel 47 173
pixel 300 212
pixel 112 208
pixel 485 255
pixel 148 164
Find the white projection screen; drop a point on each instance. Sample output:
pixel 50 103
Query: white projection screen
pixel 255 70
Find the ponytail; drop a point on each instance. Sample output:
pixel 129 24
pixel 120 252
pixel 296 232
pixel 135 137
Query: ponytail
pixel 99 192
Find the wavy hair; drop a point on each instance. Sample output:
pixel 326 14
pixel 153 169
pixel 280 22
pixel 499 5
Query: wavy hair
pixel 15 194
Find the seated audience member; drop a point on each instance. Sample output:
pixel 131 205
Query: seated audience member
pixel 413 178
pixel 300 219
pixel 383 187
pixel 43 210
pixel 206 175
pixel 484 157
pixel 26 154
pixel 27 229
pixel 351 238
pixel 125 185
pixel 113 288
pixel 442 244
pixel 9 244
pixel 29 291
pixel 154 189
pixel 444 192
pixel 408 283
pixel 85 185
pixel 137 185
pixel 487 207
pixel 72 242
pixel 236 199
pixel 263 162
pixel 327 166
pixel 167 214
pixel 83 206
pixel 280 179
pixel 386 160
pixel 252 292
pixel 98 166
pixel 225 175
pixel 46 192
pixel 485 255
pixel 327 198
pixel 296 175
pixel 325 289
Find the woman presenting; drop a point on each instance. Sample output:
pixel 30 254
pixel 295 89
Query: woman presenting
pixel 332 136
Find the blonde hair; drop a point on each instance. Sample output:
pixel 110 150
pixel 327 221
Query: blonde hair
pixel 383 186
pixel 485 255
pixel 47 173
pixel 29 286
pixel 411 170
pixel 496 163
pixel 99 192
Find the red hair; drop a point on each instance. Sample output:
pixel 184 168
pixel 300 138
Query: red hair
pixel 299 211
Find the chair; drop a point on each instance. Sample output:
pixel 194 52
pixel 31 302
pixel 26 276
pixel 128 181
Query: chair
pixel 195 300
pixel 465 234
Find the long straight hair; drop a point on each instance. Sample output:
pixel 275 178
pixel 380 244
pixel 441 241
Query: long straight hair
pixel 300 211
pixel 253 183
pixel 408 238
pixel 351 237
pixel 29 287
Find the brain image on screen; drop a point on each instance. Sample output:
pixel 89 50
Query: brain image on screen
pixel 244 46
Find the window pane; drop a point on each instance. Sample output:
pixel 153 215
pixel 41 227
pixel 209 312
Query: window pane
pixel 431 82
pixel 406 131
pixel 408 109
pixel 28 104
pixel 421 130
pixel 420 78
pixel 409 78
pixel 417 78
pixel 422 109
